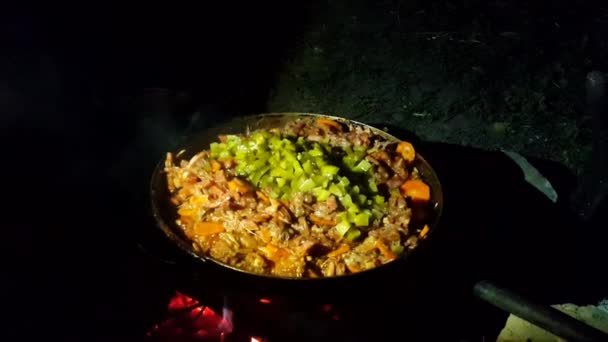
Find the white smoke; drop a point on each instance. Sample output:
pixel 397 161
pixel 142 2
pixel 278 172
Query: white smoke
pixel 227 324
pixel 158 130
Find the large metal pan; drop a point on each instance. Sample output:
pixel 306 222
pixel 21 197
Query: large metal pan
pixel 165 212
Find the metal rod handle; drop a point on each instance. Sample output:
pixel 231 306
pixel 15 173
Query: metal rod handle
pixel 546 317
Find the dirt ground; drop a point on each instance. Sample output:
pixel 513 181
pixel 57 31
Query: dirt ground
pixel 484 74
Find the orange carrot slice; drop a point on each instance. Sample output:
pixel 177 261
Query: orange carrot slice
pixel 353 268
pixel 407 151
pixel 183 211
pixel 339 251
pixel 262 196
pixel 239 186
pixel 215 165
pixel 198 200
pixel 328 123
pixel 208 228
pixel 385 251
pixel 321 221
pixel 424 231
pixel 417 190
pixel 273 252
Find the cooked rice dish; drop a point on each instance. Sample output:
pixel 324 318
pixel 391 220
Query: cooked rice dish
pixel 315 198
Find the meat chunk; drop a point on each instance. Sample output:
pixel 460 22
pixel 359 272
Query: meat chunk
pixel 325 209
pixel 395 181
pixel 296 127
pixel 381 156
pixel 398 166
pixel 302 226
pixel 222 251
pixel 359 137
pixel 254 263
pixel 298 204
pixel 381 175
pixel 291 266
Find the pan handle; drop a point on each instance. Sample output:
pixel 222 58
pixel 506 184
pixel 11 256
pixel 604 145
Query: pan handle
pixel 545 317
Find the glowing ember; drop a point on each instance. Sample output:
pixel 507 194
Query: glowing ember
pixel 191 321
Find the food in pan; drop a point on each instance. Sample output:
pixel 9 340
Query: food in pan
pixel 314 198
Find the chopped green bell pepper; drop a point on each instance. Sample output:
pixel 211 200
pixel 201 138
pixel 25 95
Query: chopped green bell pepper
pixel 364 165
pixel 397 248
pixel 321 194
pixel 342 227
pixel 353 234
pixel 362 220
pixel 285 164
pixel 329 170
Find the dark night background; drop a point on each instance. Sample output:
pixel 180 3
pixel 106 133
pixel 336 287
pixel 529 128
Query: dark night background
pixel 71 84
pixel 93 94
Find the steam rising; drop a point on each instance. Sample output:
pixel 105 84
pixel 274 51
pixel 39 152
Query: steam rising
pixel 158 130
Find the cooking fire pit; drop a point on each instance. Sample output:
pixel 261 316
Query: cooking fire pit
pixel 496 226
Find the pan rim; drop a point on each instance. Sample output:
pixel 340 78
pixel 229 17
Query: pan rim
pixel 186 245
